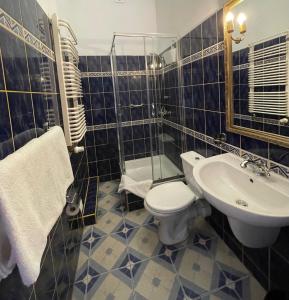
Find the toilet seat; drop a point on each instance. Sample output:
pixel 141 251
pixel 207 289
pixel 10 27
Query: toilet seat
pixel 169 198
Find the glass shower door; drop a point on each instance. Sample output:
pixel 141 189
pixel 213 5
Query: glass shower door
pixel 165 99
pixel 145 101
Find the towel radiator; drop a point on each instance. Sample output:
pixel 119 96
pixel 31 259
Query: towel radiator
pixel 69 78
pixel 269 77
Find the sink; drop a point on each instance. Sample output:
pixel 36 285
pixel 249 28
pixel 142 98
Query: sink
pixel 256 206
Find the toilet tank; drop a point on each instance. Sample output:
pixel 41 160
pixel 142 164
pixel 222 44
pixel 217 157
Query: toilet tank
pixel 189 160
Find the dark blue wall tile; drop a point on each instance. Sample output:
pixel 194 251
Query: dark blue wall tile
pixel 82 65
pixel 109 100
pixel 97 101
pixel 197 72
pixel 29 16
pixel 93 64
pixel 211 69
pixel 5 128
pixel 185 45
pixel 199 121
pixel 107 85
pixel 34 63
pixel 198 96
pixel 22 116
pixel 105 64
pixel 121 63
pixel 43 24
pixel 14 62
pixel 40 112
pixel 12 8
pixel 279 267
pixel 213 123
pixel 133 63
pixel 196 40
pixel 95 85
pixel 212 97
pixel 256 146
pixel 209 32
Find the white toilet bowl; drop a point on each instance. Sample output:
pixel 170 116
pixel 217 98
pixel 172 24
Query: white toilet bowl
pixel 174 204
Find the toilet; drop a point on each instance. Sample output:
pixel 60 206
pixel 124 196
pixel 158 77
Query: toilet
pixel 176 204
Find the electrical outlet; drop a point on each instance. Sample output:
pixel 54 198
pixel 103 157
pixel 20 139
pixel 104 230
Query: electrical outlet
pixel 120 1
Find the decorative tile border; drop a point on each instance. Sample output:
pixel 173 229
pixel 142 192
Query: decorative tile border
pixel 169 68
pixel 194 57
pixel 241 67
pixel 11 25
pixel 123 124
pixel 118 73
pixel 204 53
pixel 275 167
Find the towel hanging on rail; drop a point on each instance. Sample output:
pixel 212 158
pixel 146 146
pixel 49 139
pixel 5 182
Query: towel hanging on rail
pixel 33 185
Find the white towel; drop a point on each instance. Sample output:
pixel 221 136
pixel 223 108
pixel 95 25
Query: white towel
pixel 139 188
pixel 33 184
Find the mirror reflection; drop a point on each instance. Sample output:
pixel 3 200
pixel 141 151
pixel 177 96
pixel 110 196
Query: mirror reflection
pixel 259 32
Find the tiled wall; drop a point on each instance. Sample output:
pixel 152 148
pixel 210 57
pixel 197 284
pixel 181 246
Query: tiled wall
pixel 29 105
pixel 204 118
pixel 101 140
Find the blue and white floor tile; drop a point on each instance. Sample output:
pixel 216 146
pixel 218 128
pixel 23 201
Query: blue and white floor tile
pixel 122 258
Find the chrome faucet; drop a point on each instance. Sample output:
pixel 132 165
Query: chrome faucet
pixel 259 168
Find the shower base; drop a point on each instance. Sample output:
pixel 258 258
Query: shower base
pixel 141 169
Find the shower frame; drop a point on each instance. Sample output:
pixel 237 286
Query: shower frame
pixel 118 106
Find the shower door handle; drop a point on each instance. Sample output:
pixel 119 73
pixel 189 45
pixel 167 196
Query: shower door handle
pixel 153 110
pixel 136 105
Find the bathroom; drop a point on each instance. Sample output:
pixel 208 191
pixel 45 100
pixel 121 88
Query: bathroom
pixel 143 154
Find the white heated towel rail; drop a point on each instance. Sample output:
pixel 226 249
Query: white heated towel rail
pixel 268 78
pixel 69 77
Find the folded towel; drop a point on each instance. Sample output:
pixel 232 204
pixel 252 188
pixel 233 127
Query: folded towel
pixel 139 188
pixel 33 184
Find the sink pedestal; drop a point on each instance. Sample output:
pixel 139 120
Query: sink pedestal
pixel 253 236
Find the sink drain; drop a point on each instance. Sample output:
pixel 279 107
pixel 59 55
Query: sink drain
pixel 241 203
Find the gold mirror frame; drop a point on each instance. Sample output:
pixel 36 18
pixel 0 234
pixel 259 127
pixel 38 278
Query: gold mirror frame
pixel 253 133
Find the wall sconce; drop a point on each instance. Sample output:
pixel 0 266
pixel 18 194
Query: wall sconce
pixel 230 26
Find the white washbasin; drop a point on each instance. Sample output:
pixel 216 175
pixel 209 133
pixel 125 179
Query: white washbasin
pixel 256 206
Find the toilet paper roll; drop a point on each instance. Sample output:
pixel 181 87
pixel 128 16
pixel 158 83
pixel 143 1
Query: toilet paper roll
pixel 72 209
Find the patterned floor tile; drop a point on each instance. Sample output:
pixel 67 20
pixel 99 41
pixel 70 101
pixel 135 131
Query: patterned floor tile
pixel 156 280
pixel 108 251
pixel 225 256
pixel 77 292
pixel 229 274
pixel 109 287
pixel 222 294
pixel 202 243
pixel 108 187
pixel 251 290
pixel 143 240
pixel 121 257
pixel 90 239
pixel 108 223
pixel 82 264
pixel 200 225
pixel 139 217
pixel 198 272
pixel 108 202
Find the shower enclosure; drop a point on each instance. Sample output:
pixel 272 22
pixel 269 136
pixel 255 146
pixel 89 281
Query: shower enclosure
pixel 147 91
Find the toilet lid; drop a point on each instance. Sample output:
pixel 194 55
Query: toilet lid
pixel 170 197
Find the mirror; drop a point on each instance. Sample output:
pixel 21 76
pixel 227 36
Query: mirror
pixel 257 69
